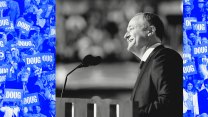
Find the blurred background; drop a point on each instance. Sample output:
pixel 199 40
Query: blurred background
pixel 97 27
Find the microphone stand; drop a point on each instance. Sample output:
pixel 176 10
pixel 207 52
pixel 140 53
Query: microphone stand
pixel 63 89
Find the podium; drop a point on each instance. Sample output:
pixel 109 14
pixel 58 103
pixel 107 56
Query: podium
pixel 94 107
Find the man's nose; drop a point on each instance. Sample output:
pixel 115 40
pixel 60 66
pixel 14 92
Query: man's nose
pixel 126 36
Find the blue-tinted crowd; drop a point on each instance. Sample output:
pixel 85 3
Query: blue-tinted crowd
pixel 27 58
pixel 195 58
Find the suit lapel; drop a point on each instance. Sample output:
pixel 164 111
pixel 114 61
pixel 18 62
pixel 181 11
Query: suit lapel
pixel 143 69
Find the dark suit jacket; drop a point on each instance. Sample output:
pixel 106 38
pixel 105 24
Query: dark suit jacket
pixel 158 89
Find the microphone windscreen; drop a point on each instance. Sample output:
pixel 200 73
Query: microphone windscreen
pixel 97 60
pixel 91 60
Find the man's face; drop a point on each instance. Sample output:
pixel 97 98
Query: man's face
pixel 187 9
pixel 136 35
pixel 25 110
pixel 25 74
pixel 15 53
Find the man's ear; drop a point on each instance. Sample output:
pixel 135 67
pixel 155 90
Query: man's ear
pixel 151 30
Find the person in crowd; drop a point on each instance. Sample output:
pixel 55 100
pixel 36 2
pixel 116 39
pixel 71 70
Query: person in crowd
pixel 195 38
pixel 187 57
pixel 36 112
pixel 25 112
pixel 203 62
pixel 188 9
pixel 13 11
pixel 190 100
pixel 203 99
pixel 7 109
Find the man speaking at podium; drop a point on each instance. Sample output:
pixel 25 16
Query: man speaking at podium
pixel 158 89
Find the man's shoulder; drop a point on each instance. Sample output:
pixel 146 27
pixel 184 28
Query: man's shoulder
pixel 165 52
pixel 169 51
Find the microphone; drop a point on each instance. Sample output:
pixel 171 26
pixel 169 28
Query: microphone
pixel 88 60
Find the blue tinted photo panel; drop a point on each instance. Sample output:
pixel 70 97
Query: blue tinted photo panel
pixel 195 58
pixel 27 58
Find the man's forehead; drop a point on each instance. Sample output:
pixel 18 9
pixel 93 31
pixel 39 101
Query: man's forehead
pixel 137 20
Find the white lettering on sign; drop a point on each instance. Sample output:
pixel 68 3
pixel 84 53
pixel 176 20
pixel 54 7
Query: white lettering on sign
pixel 11 27
pixel 47 58
pixel 199 27
pixel 188 22
pixel 24 43
pixel 3 70
pixel 13 95
pixel 4 22
pixel 188 69
pixel 200 50
pixel 34 60
pixel 2 78
pixel 23 25
pixel 30 100
pixel 1 44
pixel 3 4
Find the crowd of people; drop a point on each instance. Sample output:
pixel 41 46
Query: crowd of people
pixel 195 59
pixel 27 58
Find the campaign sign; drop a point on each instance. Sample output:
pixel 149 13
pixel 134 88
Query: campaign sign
pixel 31 99
pixel 33 60
pixel 2 45
pixel 189 69
pixel 10 27
pixel 4 22
pixel 52 31
pixel 24 43
pixel 4 70
pixel 199 50
pixel 188 21
pixel 3 4
pixel 23 25
pixel 13 94
pixel 2 78
pixel 200 27
pixel 47 57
